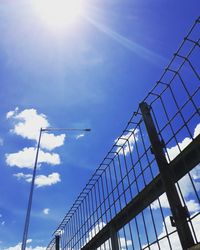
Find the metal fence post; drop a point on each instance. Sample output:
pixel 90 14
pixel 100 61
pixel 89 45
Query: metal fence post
pixel 114 238
pixel 178 211
pixel 57 239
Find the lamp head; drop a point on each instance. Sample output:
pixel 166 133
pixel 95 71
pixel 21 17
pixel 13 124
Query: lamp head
pixel 87 129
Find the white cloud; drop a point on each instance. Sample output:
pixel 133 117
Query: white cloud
pixel 51 141
pixel 125 243
pixel 26 158
pixel 23 176
pixel 195 173
pixel 46 211
pixel 197 130
pixel 79 136
pixel 185 182
pixel 175 150
pixel 106 245
pixel 28 123
pixel 186 187
pixel 132 137
pixel 163 202
pixel 193 206
pixel 95 230
pixel 18 247
pixel 26 177
pixel 40 180
pixel 174 239
pixel 3 223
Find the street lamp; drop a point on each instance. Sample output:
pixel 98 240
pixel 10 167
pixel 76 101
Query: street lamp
pixel 27 219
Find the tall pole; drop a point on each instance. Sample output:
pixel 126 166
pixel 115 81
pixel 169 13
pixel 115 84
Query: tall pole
pixel 28 213
pixel 26 226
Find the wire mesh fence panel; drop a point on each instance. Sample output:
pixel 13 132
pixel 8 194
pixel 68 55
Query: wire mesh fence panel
pixel 105 246
pixel 144 231
pixel 127 194
pixel 52 245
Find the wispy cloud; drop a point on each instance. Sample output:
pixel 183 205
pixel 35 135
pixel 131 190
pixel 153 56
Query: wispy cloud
pixel 25 158
pixel 46 211
pixel 79 136
pixel 40 180
pixel 12 113
pixel 2 222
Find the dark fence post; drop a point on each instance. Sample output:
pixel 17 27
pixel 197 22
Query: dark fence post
pixel 179 212
pixel 57 239
pixel 114 238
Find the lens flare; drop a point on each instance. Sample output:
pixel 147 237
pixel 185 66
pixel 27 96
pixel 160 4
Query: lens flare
pixel 58 14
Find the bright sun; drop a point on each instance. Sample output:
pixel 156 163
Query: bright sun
pixel 58 14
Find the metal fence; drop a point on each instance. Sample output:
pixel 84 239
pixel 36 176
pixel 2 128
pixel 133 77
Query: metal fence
pixel 145 193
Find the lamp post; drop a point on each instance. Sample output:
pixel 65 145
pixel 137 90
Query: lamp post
pixel 27 219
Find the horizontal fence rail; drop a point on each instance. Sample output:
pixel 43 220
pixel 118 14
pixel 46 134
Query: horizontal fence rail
pixel 145 193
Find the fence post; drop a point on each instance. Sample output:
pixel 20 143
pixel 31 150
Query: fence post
pixel 178 211
pixel 57 239
pixel 114 238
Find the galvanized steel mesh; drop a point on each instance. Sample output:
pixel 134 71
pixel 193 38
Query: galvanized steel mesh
pixel 130 166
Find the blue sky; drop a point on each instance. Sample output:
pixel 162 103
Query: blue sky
pixel 91 74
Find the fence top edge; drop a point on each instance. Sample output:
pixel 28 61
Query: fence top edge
pixel 93 180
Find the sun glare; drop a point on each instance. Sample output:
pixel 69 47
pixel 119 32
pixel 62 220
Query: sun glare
pixel 58 14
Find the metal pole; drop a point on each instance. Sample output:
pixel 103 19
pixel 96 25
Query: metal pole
pixel 26 226
pixel 27 220
pixel 114 238
pixel 179 212
pixel 66 129
pixel 57 239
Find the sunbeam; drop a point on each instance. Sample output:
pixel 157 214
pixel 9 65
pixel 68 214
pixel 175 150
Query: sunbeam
pixel 138 49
